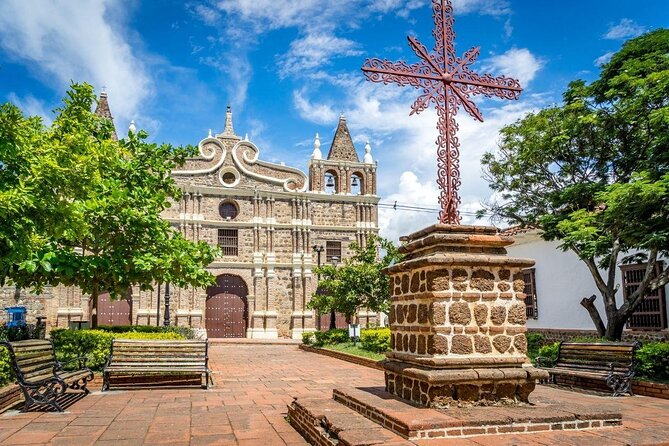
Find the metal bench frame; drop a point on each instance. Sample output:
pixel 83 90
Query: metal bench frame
pixel 45 392
pixel 620 383
pixel 141 368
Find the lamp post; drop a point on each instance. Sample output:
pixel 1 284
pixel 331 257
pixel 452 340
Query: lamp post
pixel 318 249
pixel 166 321
pixel 333 316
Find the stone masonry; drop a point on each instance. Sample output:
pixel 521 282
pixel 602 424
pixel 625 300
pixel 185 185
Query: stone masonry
pixel 458 320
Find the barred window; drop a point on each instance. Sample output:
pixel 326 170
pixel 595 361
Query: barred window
pixel 651 313
pixel 228 241
pixel 332 251
pixel 530 290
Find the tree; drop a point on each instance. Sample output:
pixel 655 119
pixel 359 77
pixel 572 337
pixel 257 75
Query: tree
pixel 80 209
pixel 593 173
pixel 359 282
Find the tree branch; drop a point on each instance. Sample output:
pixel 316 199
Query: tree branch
pixel 589 304
pixel 635 299
pixel 613 261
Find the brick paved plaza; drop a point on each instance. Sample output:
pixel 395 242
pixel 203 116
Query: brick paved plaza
pixel 247 406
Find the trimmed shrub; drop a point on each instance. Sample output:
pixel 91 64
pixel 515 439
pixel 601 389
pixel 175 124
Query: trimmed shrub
pixel 336 336
pixel 534 343
pixel 6 373
pixel 186 332
pixel 653 361
pixel 375 340
pixel 549 351
pixel 95 344
pixel 308 337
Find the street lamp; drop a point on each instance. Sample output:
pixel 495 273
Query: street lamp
pixel 333 316
pixel 166 321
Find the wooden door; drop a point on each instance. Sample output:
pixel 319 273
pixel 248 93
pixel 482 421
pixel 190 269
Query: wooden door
pixel 227 309
pixel 114 312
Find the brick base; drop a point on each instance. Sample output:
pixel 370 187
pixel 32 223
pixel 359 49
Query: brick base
pixel 414 424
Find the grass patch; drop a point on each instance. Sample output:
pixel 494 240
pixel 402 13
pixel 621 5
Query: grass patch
pixel 350 348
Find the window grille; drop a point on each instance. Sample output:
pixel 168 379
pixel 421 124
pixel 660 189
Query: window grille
pixel 530 290
pixel 332 250
pixel 651 314
pixel 228 241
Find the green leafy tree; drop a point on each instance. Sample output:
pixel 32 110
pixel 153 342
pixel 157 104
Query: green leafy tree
pixel 359 282
pixel 79 208
pixel 592 173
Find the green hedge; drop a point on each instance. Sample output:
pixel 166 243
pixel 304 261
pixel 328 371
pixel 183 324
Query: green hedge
pixel 6 374
pixel 95 344
pixel 186 332
pixel 653 361
pixel 375 340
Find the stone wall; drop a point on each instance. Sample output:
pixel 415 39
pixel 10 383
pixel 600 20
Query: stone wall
pixel 555 335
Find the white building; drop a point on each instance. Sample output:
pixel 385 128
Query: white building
pixel 559 280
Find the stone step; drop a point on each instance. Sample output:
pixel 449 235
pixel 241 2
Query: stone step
pixel 417 423
pixel 324 422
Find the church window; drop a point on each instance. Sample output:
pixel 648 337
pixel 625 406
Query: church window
pixel 530 290
pixel 651 314
pixel 331 183
pixel 356 184
pixel 229 178
pixel 228 210
pixel 228 241
pixel 332 251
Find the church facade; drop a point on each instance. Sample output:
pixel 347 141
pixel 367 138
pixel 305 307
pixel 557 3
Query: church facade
pixel 270 222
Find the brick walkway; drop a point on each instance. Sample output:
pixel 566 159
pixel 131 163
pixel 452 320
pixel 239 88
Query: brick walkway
pixel 254 384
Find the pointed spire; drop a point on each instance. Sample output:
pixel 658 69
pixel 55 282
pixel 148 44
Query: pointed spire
pixel 103 111
pixel 228 131
pixel 342 148
pixel 246 137
pixel 317 155
pixel 368 154
pixel 210 135
pixel 132 127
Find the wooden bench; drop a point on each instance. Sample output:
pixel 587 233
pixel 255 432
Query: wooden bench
pixel 612 363
pixel 131 360
pixel 41 377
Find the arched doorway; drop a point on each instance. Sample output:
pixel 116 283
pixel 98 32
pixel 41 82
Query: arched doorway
pixel 226 313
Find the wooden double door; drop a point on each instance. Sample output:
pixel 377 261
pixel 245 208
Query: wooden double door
pixel 226 313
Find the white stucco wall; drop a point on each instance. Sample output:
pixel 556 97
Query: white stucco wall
pixel 562 280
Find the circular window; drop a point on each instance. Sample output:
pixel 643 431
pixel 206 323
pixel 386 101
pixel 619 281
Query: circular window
pixel 228 210
pixel 229 178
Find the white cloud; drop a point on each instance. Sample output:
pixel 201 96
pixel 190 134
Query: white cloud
pixel 315 51
pixel 487 7
pixel 603 59
pixel 625 29
pixel 63 40
pixel 518 63
pixel 319 113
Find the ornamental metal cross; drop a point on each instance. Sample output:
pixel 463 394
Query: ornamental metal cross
pixel 447 82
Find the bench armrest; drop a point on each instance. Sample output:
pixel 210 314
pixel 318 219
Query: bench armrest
pixel 543 361
pixel 82 360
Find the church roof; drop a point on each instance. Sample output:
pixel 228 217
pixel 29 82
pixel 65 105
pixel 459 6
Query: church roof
pixel 342 148
pixel 103 111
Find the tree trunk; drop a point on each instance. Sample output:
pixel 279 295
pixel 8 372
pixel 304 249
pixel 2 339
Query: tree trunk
pixel 615 327
pixel 333 319
pixel 589 304
pixel 94 309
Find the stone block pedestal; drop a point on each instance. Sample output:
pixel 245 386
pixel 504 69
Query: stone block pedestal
pixel 457 320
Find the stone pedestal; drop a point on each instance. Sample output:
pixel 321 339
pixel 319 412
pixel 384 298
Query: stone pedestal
pixel 458 320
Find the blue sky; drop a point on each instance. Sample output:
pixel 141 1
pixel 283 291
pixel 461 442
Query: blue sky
pixel 290 67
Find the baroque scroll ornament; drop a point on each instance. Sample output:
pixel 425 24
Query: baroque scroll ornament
pixel 447 82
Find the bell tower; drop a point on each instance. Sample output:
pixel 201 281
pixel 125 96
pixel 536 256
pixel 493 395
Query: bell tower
pixel 342 173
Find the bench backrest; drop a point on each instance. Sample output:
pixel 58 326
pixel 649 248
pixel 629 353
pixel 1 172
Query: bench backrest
pixel 597 356
pixel 32 360
pixel 159 353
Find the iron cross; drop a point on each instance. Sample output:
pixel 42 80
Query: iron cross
pixel 447 82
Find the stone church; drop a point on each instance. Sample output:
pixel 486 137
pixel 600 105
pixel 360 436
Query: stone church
pixel 270 222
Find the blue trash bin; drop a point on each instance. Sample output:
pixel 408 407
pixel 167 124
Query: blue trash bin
pixel 16 316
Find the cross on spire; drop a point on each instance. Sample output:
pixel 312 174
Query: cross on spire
pixel 447 82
